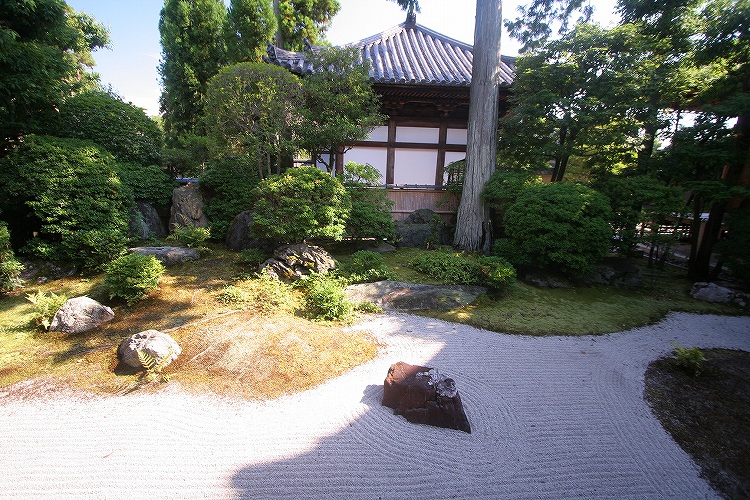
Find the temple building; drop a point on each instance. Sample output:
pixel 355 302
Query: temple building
pixel 423 80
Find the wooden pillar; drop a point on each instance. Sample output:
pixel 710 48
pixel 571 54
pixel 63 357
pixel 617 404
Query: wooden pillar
pixel 391 154
pixel 439 168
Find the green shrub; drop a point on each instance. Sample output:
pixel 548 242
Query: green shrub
pixel 496 272
pixel 690 359
pixel 505 186
pixel 10 267
pixel 132 276
pixel 149 183
pixel 563 226
pixel 58 187
pixel 325 298
pixel 448 267
pixel 459 269
pixel 229 183
pixel 45 307
pixel 95 248
pixel 366 267
pixel 121 128
pixel 302 203
pixel 190 236
pixel 370 216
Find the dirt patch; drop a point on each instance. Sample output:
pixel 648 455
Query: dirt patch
pixel 708 415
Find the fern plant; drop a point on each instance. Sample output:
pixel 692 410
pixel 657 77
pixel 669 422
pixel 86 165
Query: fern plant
pixel 154 366
pixel 690 359
pixel 45 307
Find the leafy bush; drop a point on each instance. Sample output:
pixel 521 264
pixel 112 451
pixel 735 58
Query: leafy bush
pixel 132 276
pixel 10 268
pixel 302 203
pixel 190 236
pixel 229 183
pixel 57 187
pixel 458 269
pixel 325 298
pixel 496 272
pixel 366 267
pixel 371 209
pixel 448 267
pixel 690 359
pixel 45 307
pixel 121 128
pixel 149 183
pixel 94 248
pixel 564 226
pixel 505 186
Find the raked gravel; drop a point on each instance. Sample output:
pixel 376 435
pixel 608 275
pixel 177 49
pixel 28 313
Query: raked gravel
pixel 552 417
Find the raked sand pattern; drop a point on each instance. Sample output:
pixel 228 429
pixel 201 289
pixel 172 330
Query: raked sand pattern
pixel 553 417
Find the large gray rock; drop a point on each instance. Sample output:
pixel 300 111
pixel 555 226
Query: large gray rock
pixel 711 292
pixel 187 207
pixel 169 256
pixel 240 235
pixel 145 222
pixel 400 296
pixel 157 344
pixel 293 262
pixel 80 314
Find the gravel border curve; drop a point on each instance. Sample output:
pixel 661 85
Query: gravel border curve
pixel 551 417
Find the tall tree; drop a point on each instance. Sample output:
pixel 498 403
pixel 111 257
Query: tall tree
pixel 300 20
pixel 250 25
pixel 45 49
pixel 340 106
pixel 473 227
pixel 725 45
pixel 533 26
pixel 192 52
pixel 573 100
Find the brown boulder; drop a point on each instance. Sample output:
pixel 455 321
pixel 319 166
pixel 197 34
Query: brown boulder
pixel 424 396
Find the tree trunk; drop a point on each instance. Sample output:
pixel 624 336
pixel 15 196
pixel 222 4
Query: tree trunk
pixel 473 227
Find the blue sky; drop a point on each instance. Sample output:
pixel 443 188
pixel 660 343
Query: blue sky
pixel 130 65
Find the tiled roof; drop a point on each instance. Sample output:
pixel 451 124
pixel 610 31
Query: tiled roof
pixel 407 54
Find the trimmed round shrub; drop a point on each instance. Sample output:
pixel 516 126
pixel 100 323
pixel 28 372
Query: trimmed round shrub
pixel 132 276
pixel 121 128
pixel 366 267
pixel 559 226
pixel 325 298
pixel 496 272
pixel 301 203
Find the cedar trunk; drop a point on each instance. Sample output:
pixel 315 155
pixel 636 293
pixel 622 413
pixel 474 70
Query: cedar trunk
pixel 473 223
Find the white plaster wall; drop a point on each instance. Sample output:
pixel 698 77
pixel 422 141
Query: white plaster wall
pixel 377 157
pixel 456 136
pixel 425 135
pixel 379 134
pixel 414 166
